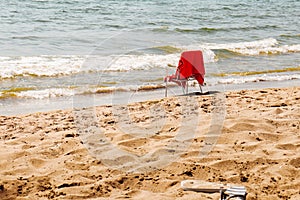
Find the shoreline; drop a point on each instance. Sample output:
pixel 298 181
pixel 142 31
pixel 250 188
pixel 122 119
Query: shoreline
pixel 11 107
pixel 44 154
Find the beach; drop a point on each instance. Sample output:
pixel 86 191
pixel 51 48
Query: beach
pixel 248 138
pixel 65 49
pixel 83 112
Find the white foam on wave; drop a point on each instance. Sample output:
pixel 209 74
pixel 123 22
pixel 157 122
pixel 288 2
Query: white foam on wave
pixel 68 92
pixel 48 65
pixel 45 65
pixel 265 46
pixel 269 50
pixel 65 92
pixel 142 62
pixel 45 93
pixel 248 45
pixel 256 78
pixel 211 81
pixel 149 61
pixel 51 65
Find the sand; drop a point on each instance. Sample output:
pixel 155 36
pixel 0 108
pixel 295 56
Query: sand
pixel 144 150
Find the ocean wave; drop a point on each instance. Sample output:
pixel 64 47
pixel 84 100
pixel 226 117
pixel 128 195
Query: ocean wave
pixel 260 47
pixel 145 62
pixel 220 29
pixel 46 93
pixel 258 78
pixel 46 65
pixel 290 35
pixel 34 93
pixel 269 42
pixel 197 30
pixel 65 65
pixel 250 73
pixel 168 49
pixel 52 66
pixel 142 62
pixel 268 50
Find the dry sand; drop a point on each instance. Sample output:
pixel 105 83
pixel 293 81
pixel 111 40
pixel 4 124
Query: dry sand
pixel 249 138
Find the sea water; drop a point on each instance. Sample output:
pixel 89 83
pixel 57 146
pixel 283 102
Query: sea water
pixel 55 51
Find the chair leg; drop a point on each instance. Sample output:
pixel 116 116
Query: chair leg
pixel 187 87
pixel 166 91
pixel 183 89
pixel 200 89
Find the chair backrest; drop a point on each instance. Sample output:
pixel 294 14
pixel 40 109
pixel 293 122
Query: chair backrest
pixel 191 65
